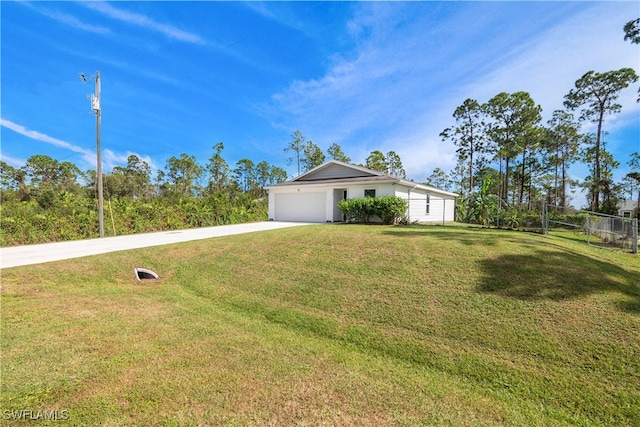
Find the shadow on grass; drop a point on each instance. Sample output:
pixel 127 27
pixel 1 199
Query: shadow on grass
pixel 556 276
pixel 542 272
pixel 466 235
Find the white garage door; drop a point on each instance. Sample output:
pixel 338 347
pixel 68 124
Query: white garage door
pixel 306 207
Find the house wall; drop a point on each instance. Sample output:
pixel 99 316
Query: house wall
pixel 440 209
pixel 355 191
pixel 626 208
pixel 310 195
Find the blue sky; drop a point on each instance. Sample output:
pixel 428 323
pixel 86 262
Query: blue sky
pixel 181 76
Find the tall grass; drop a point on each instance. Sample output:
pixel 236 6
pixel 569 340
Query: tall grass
pixel 74 218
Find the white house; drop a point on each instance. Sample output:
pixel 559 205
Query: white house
pixel 626 208
pixel 314 195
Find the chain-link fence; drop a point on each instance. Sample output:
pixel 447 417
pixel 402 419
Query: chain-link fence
pixel 600 229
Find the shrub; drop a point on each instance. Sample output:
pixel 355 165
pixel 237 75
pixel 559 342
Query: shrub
pixel 566 220
pixel 389 209
pixel 71 218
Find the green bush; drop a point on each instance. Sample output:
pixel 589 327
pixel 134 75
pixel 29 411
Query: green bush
pixel 357 210
pixel 565 220
pixel 388 209
pixel 72 218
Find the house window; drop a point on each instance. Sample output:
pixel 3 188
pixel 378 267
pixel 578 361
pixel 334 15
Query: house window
pixel 428 199
pixel 370 193
pixel 626 214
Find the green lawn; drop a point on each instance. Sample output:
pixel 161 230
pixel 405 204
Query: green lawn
pixel 330 325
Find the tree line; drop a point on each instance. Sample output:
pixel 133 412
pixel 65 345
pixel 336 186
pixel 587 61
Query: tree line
pixel 48 200
pixel 43 178
pixel 307 155
pixel 503 146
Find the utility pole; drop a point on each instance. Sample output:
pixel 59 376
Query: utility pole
pixel 95 106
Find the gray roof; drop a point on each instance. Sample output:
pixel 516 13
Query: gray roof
pixel 627 205
pixel 335 172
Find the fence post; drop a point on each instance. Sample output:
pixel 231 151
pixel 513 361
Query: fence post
pixel 635 235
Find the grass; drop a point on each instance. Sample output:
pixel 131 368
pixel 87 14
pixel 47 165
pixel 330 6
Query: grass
pixel 335 324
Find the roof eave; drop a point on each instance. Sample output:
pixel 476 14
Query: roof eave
pixel 427 188
pixel 321 183
pixel 361 181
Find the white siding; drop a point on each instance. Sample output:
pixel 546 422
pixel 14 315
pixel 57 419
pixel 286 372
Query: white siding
pixel 356 191
pixel 441 209
pixel 318 203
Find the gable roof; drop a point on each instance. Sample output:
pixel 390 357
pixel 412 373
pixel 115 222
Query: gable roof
pixel 336 169
pixel 336 172
pixel 627 205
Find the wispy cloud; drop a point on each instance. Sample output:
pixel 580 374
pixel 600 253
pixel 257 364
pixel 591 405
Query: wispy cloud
pixel 109 157
pixel 38 136
pixel 67 19
pixel 72 21
pixel 561 54
pixel 88 156
pixel 12 161
pixel 396 75
pixel 144 21
pixel 282 14
pixel 132 68
pixel 384 83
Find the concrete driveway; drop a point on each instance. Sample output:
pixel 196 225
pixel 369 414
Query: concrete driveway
pixel 36 254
